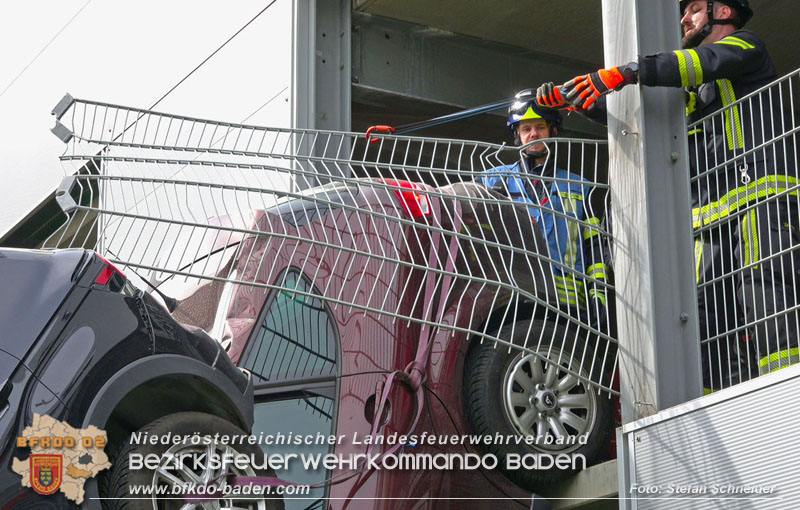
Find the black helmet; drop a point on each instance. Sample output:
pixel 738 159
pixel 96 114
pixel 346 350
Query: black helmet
pixel 526 107
pixel 742 8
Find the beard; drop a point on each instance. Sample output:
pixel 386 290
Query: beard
pixel 692 39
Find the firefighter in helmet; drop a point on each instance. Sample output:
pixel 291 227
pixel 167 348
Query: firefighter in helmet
pixel 744 191
pixel 559 202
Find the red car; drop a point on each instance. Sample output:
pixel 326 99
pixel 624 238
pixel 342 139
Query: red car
pixel 360 279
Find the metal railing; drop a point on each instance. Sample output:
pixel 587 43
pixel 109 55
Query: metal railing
pixel 747 233
pixel 410 231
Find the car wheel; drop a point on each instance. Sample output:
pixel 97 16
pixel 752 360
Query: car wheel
pixel 516 393
pixel 116 485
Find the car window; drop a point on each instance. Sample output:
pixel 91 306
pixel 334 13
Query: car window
pixel 301 427
pixel 315 203
pixel 296 336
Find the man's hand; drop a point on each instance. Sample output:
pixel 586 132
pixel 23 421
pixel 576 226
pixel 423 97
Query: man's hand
pixel 550 96
pixel 582 91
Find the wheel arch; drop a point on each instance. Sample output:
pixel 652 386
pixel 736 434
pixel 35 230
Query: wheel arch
pixel 125 402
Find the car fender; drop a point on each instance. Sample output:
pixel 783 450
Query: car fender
pixel 139 373
pixel 159 366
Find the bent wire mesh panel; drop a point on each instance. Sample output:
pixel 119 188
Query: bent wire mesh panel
pixel 744 193
pixel 417 236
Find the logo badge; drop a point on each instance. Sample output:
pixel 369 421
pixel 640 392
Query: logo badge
pixel 46 473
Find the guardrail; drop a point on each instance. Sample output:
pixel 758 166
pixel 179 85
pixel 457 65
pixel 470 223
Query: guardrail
pixel 747 233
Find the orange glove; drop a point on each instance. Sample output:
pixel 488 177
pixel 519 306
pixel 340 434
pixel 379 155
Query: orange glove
pixel 583 91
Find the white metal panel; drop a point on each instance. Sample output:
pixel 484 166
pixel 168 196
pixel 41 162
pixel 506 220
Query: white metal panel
pixel 740 438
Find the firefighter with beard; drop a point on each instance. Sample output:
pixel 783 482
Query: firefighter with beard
pixel 744 195
pixel 559 202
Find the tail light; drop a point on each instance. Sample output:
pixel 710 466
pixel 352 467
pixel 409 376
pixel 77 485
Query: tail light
pixel 107 273
pixel 414 204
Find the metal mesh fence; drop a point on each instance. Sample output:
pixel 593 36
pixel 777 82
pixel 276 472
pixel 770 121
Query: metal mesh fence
pixel 413 234
pixel 747 233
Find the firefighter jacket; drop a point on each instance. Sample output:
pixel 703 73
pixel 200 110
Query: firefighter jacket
pixel 740 159
pixel 729 161
pixel 560 204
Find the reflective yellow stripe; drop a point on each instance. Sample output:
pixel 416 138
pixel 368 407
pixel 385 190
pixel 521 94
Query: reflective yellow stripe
pixel 754 233
pixel 573 196
pixel 746 237
pixel 689 67
pixel 591 231
pixel 597 271
pixel 776 356
pixel 750 235
pixel 735 41
pixel 569 290
pixel 698 69
pixel 570 281
pixel 732 43
pixel 573 241
pixel 572 291
pixel 691 105
pixel 568 298
pixel 733 122
pixel 780 359
pixel 746 44
pixel 682 68
pixel 763 187
pixel 698 256
pixel 695 131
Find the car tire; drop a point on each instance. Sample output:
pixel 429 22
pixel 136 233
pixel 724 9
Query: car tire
pixel 118 480
pixel 496 402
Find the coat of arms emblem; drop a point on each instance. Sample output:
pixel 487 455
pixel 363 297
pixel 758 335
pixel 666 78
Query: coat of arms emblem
pixel 46 473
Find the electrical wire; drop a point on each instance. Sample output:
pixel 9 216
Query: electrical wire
pixel 45 47
pixel 209 57
pixel 264 105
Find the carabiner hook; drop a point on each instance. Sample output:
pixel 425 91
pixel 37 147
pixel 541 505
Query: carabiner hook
pixel 379 129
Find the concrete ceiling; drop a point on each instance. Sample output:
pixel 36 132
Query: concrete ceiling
pixel 530 24
pixel 513 44
pixel 568 28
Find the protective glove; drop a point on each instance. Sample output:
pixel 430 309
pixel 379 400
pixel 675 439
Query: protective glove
pixel 583 91
pixel 598 311
pixel 550 96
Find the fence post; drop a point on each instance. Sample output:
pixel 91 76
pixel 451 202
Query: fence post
pixel 321 71
pixel 653 257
